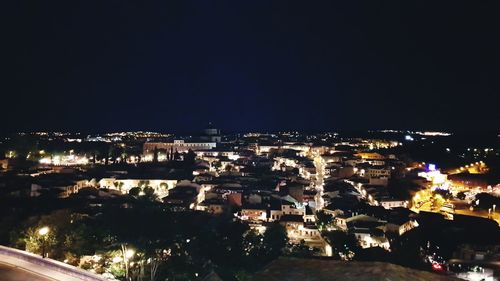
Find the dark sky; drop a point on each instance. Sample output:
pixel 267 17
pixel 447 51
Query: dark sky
pixel 248 65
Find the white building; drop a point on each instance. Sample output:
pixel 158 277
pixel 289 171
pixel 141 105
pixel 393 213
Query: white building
pixel 177 145
pixel 392 203
pixel 368 240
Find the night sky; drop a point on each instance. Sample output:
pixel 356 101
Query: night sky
pixel 173 66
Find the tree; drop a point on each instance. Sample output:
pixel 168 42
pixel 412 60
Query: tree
pixel 95 153
pixel 134 191
pixel 149 193
pixel 177 155
pixel 115 153
pixel 401 188
pixel 344 245
pixel 127 254
pixel 79 240
pixel 461 195
pixel 301 250
pixel 68 233
pixel 190 158
pixel 124 157
pixel 143 183
pixel 323 219
pixel 155 155
pixel 437 200
pixel 164 185
pixel 486 200
pixel 373 254
pixel 275 240
pixel 38 243
pixel 156 255
pixel 446 194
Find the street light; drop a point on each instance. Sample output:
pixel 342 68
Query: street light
pixel 416 197
pixel 44 230
pixel 129 253
pixel 43 233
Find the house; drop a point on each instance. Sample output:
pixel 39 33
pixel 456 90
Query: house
pixel 293 225
pixel 309 216
pixel 254 212
pixel 212 206
pixel 182 197
pixel 369 238
pixel 345 222
pixel 62 187
pixel 389 203
pixel 378 172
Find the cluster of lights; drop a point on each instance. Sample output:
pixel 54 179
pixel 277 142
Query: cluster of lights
pixel 46 134
pixel 65 160
pixel 138 134
pixel 359 187
pixel 425 133
pixel 471 165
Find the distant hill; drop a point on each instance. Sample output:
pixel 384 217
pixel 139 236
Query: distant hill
pixel 292 269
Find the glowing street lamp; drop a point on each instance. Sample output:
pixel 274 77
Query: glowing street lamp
pixel 43 233
pixel 129 253
pixel 416 197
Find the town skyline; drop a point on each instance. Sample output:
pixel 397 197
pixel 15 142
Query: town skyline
pixel 250 140
pixel 265 199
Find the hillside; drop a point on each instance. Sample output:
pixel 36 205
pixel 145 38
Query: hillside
pixel 322 270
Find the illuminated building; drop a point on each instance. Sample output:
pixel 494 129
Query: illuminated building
pixel 434 176
pixel 161 186
pixel 206 141
pixel 177 146
pixel 211 134
pixel 65 160
pixel 370 155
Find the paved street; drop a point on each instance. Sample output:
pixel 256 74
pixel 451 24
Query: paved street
pixel 11 273
pixel 14 269
pixel 320 174
pixel 460 208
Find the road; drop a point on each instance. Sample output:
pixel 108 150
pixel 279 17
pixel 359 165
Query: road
pixel 13 273
pixel 320 174
pixel 14 268
pixel 484 214
pixel 460 208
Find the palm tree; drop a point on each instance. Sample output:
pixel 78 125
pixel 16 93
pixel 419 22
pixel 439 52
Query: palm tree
pixel 155 154
pixel 120 186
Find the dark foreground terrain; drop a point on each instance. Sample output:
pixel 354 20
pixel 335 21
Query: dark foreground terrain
pixel 322 270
